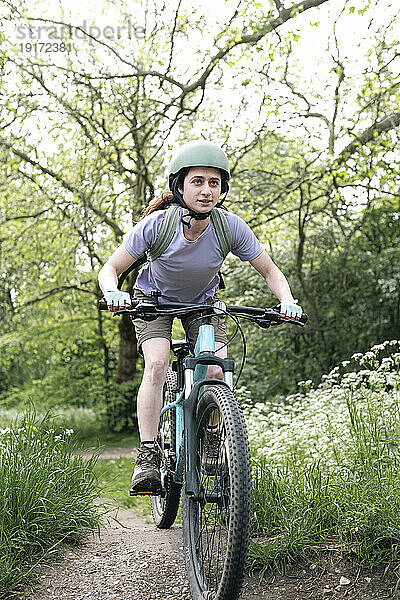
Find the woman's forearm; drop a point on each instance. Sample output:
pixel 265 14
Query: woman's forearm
pixel 108 279
pixel 116 264
pixel 275 279
pixel 279 285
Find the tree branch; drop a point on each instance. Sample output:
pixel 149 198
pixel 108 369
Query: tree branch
pixel 65 184
pixel 58 290
pixel 251 39
pixel 371 133
pixel 32 216
pixel 312 176
pixel 340 75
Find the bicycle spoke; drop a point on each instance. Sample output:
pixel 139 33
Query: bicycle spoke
pixel 165 507
pixel 216 523
pixel 213 528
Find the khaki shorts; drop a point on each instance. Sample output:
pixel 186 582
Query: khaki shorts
pixel 162 326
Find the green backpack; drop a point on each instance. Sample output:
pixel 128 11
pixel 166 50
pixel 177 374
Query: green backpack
pixel 167 232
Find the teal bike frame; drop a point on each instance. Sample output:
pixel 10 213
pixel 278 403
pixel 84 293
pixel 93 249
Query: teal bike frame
pixel 195 378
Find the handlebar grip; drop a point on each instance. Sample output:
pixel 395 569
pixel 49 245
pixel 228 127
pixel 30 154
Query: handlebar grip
pixel 303 319
pixel 102 304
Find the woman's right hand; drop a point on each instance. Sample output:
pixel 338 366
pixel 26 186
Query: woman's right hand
pixel 117 300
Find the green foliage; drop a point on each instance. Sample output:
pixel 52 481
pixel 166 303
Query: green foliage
pixel 274 357
pixel 47 495
pixel 79 166
pixel 115 479
pixel 344 272
pixel 356 283
pixel 327 475
pixel 109 405
pixel 120 406
pixel 63 365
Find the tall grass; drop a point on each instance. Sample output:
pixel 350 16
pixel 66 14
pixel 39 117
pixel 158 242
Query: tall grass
pixel 47 496
pixel 328 469
pixel 87 423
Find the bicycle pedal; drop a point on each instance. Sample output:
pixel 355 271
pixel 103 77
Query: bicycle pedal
pixel 146 493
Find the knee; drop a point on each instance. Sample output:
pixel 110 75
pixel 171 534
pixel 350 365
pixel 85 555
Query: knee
pixel 156 370
pixel 215 372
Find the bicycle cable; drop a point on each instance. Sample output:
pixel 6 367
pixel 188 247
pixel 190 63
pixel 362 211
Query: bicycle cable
pixel 238 328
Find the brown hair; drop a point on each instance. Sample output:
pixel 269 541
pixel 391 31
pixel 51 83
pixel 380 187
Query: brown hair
pixel 166 199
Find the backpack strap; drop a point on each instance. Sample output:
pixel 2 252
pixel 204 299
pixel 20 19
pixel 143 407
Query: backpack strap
pixel 222 230
pixel 163 240
pixel 166 233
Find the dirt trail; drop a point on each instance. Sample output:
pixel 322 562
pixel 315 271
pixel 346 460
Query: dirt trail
pixel 112 453
pixel 130 560
pixel 133 560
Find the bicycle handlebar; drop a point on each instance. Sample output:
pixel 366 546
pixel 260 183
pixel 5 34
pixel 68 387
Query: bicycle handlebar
pixel 264 317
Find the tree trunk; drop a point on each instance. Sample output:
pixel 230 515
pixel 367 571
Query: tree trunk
pixel 128 352
pixel 306 290
pixel 122 417
pixel 106 350
pixel 121 405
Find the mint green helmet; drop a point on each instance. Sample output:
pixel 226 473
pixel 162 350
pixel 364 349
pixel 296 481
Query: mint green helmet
pixel 200 153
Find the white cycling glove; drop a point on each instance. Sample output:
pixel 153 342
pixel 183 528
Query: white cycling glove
pixel 291 309
pixel 117 300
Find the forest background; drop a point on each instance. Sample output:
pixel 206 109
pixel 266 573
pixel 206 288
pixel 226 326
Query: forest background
pixel 304 97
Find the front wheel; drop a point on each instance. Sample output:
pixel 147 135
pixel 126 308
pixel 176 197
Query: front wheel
pixel 216 524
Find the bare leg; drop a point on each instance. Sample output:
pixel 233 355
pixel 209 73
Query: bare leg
pixel 149 401
pixel 213 371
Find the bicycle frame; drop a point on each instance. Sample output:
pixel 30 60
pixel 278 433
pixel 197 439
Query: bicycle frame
pixel 195 378
pixel 208 454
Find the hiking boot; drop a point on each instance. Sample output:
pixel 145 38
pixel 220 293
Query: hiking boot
pixel 146 475
pixel 212 461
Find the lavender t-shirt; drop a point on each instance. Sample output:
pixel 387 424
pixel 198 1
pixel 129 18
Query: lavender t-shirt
pixel 188 270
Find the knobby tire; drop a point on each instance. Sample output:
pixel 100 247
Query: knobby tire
pixel 216 526
pixel 165 508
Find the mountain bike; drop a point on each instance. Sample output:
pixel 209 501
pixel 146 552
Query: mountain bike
pixel 205 450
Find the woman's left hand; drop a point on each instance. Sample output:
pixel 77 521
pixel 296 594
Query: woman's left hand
pixel 291 309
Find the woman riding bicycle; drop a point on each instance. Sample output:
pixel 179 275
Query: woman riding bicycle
pixel 187 271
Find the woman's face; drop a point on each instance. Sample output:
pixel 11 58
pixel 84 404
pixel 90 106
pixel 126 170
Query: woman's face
pixel 202 188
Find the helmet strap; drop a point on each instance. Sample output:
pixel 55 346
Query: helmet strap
pixel 220 203
pixel 192 213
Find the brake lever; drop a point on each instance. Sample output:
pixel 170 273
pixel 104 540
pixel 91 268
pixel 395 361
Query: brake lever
pixel 263 323
pixel 137 313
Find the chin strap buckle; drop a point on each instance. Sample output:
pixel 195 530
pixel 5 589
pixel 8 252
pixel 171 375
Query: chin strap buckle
pixel 194 215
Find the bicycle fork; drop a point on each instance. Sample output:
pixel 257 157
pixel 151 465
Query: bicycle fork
pixel 192 393
pixel 195 373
